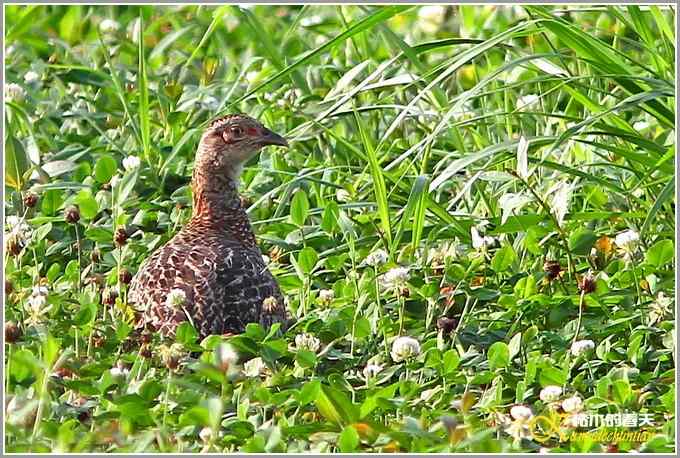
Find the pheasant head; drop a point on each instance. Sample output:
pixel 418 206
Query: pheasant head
pixel 226 144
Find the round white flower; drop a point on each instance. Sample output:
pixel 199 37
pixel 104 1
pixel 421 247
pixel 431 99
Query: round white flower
pixel 480 242
pixel 119 371
pixel 254 367
pixel 572 404
pixel 326 296
pixel 582 346
pixel 521 412
pixel 31 77
pixel 376 258
pixel 660 307
pixel 371 370
pixel 550 393
pixel 396 277
pixel 430 17
pixel 36 303
pixel 176 298
pixel 527 101
pixel 109 26
pixel 205 434
pixel 342 195
pixel 307 342
pixel 14 93
pixel 210 103
pixel 114 181
pixel 131 163
pixel 40 290
pixel 225 356
pixel 627 241
pixel 404 348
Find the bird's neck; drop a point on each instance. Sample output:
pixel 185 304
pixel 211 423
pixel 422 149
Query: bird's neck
pixel 217 204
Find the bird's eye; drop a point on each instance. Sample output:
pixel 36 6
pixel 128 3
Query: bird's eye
pixel 232 134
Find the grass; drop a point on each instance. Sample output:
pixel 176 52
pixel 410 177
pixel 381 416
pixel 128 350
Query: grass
pixel 507 172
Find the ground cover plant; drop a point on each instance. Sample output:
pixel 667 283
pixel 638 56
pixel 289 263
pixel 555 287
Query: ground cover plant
pixel 473 227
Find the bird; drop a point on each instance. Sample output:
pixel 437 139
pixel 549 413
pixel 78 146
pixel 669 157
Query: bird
pixel 212 272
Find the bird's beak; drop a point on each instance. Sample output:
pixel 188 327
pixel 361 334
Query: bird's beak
pixel 271 138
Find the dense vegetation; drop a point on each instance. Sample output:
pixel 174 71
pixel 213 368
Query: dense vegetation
pixel 473 226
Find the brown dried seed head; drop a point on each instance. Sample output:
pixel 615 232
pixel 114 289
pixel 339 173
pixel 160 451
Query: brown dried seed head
pixel 30 200
pixel 109 296
pixel 121 236
pixel 446 324
pixel 125 276
pixel 587 283
pixel 12 332
pixel 552 269
pixel 9 288
pixel 95 255
pixel 72 214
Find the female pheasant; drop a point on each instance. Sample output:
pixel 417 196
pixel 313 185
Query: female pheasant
pixel 212 273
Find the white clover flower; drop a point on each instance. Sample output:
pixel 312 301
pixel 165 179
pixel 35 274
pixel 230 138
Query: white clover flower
pixel 109 26
pixel 254 367
pixel 36 303
pixel 519 429
pixel 176 298
pixel 307 342
pixel 660 308
pixel 521 412
pixel 225 356
pixel 480 242
pixel 326 296
pixel 430 17
pixel 31 77
pixel 210 103
pixel 131 163
pixel 550 393
pixel 205 434
pixel 342 195
pixel 582 346
pixel 627 241
pixel 376 258
pixel 114 181
pixel 39 290
pixel 119 371
pixel 311 20
pixel 572 404
pixel 404 348
pixel 14 93
pixel 527 100
pixel 396 277
pixel 18 227
pixel 252 76
pixel 371 370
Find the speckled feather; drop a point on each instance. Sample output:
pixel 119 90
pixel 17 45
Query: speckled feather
pixel 214 259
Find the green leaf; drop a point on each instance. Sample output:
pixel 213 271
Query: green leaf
pixel 186 333
pixel 307 259
pixel 450 361
pixel 660 253
pixel 552 376
pixel 51 200
pixel 503 258
pixel 581 241
pixel 348 440
pixel 498 355
pixel 105 168
pixel 305 358
pixel 309 392
pixel 87 204
pixel 299 208
pixel 16 163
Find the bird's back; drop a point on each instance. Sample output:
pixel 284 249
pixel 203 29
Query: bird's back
pixel 223 279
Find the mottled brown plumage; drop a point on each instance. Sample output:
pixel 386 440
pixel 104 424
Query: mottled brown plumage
pixel 214 260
